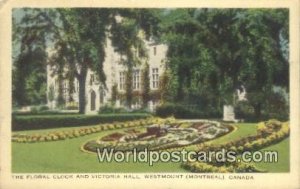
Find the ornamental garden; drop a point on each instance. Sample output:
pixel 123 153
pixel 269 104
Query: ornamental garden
pixel 74 144
pixel 164 80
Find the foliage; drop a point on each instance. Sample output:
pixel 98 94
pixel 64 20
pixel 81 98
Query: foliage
pixel 145 80
pixel 214 52
pixel 44 112
pixel 29 68
pixel 37 109
pixel 211 53
pixel 164 82
pixel 201 167
pixel 54 121
pixel 53 136
pixel 71 105
pixel 184 111
pixel 77 38
pixel 111 109
pixel 114 94
pixel 51 93
pixel 128 87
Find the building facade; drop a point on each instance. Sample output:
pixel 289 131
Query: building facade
pixel 98 95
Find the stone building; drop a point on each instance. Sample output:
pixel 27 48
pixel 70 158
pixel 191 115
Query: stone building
pixel 98 96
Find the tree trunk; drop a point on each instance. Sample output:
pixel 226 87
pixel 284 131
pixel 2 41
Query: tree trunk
pixel 81 79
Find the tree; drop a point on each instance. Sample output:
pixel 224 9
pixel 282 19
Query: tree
pixel 29 69
pixel 266 62
pixel 214 52
pixel 145 85
pixel 79 37
pixel 128 87
pixel 128 35
pixel 164 90
pixel 82 44
pixel 114 94
pixel 76 36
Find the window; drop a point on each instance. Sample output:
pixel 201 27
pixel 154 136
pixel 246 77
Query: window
pixel 155 78
pixel 136 79
pixel 122 81
pixel 154 50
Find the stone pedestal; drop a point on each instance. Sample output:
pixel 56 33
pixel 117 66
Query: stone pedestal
pixel 228 113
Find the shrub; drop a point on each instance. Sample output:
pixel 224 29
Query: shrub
pixel 55 121
pixel 43 108
pixel 182 111
pixel 110 109
pixel 243 110
pixel 72 106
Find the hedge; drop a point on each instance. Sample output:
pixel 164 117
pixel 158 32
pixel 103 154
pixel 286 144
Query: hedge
pixel 182 111
pixel 55 121
pixel 46 112
pixel 82 131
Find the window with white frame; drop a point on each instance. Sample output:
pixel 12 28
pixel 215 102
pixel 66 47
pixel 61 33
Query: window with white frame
pixel 122 81
pixel 155 78
pixel 136 79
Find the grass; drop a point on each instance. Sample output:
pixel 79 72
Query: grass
pixel 242 130
pixel 283 164
pixel 66 156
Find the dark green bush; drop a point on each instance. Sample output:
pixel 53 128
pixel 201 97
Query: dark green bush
pixel 55 121
pixel 71 107
pixel 110 109
pixel 43 108
pixel 243 110
pixel 46 112
pixel 188 112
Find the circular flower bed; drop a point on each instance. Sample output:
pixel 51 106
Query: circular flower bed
pixel 268 133
pixel 163 135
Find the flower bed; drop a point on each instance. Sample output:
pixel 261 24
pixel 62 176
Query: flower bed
pixel 268 133
pixel 62 135
pixel 201 167
pixel 164 136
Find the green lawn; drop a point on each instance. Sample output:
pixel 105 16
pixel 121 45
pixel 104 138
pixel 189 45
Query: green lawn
pixel 242 130
pixel 283 164
pixel 66 156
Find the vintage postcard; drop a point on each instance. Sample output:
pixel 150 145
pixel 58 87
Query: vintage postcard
pixel 151 94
